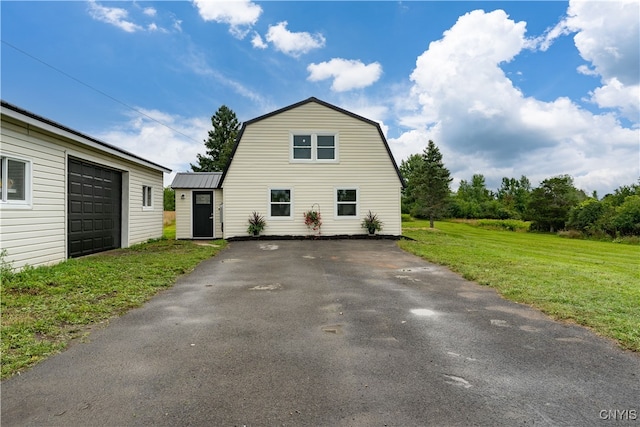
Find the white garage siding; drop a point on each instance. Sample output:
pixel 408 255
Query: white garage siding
pixel 36 233
pixel 262 162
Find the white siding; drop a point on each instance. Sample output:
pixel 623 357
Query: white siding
pixel 38 235
pixel 144 223
pixel 217 197
pixel 262 161
pixel 184 213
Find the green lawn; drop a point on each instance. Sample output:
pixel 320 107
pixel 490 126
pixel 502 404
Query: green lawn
pixel 169 231
pixel 595 284
pixel 44 308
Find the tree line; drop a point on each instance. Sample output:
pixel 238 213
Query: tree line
pixel 555 205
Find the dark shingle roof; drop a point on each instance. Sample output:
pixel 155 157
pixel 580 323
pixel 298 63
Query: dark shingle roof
pixel 206 180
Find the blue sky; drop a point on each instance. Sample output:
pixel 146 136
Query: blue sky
pixel 503 88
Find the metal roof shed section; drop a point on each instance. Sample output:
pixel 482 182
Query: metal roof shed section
pixel 197 180
pixel 198 205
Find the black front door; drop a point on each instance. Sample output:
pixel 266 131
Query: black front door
pixel 203 214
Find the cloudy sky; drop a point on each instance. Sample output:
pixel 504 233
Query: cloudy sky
pixel 503 88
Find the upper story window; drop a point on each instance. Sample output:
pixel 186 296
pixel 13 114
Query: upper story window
pixel 147 196
pixel 15 181
pixel 302 147
pixel 314 147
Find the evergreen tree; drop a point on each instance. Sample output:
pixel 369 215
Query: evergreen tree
pixel 220 143
pixel 408 170
pixel 429 185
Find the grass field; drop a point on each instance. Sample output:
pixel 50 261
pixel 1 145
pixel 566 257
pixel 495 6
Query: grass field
pixel 44 308
pixel 595 284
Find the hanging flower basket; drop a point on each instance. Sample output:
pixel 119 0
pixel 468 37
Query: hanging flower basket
pixel 313 220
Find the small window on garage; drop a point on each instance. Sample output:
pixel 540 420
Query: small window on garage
pixel 346 202
pixel 280 203
pixel 15 181
pixel 147 197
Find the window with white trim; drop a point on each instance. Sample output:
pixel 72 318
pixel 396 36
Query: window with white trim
pixel 15 180
pixel 302 147
pixel 280 203
pixel 147 196
pixel 346 202
pixel 314 147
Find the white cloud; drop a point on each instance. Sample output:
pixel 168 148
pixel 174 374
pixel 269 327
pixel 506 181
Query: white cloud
pixel 177 25
pixel 153 27
pixel 174 146
pixel 196 62
pixel 257 42
pixel 616 95
pixel 112 15
pixel 149 11
pixel 608 37
pixel 367 109
pixel 293 44
pixel 462 100
pixel 584 69
pixel 347 74
pixel 240 15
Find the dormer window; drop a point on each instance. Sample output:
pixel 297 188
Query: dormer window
pixel 314 147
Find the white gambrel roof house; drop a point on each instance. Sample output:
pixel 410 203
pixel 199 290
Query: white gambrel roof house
pixel 66 194
pixel 309 155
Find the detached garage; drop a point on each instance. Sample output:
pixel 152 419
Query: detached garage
pixel 65 194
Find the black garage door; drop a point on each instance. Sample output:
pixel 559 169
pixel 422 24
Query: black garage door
pixel 95 195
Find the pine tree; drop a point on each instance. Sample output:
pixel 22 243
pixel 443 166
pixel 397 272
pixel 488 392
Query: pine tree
pixel 430 186
pixel 220 143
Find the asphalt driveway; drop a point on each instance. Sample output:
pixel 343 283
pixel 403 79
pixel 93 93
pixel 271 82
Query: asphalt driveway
pixel 329 333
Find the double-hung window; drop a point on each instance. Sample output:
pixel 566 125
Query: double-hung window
pixel 302 147
pixel 314 147
pixel 325 147
pixel 147 197
pixel 15 181
pixel 346 202
pixel 280 203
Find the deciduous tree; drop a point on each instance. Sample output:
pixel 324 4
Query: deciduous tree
pixel 551 202
pixel 169 199
pixel 514 195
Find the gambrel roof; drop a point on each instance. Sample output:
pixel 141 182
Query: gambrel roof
pixel 325 104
